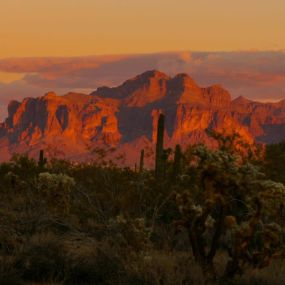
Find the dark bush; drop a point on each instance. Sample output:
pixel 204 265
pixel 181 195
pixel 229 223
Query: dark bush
pixel 98 267
pixel 42 259
pixel 9 275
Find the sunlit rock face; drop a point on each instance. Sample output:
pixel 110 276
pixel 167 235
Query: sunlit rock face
pixel 125 118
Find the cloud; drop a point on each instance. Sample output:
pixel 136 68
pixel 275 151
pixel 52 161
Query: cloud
pixel 259 75
pixel 20 89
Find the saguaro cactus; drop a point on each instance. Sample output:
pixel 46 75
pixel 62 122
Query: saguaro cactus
pixel 177 164
pixel 142 161
pixel 159 161
pixel 42 160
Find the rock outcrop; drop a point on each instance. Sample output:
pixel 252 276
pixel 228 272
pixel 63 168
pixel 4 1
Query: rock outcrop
pixel 125 117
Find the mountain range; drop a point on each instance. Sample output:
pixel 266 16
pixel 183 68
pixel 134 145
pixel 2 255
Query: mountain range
pixel 123 119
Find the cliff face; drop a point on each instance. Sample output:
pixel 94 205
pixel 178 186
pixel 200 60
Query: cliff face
pixel 125 117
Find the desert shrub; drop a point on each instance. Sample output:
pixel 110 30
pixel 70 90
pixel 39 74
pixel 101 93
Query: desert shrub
pixel 56 188
pixel 112 225
pixel 127 232
pixel 61 166
pixel 98 266
pixel 271 275
pixel 9 275
pixel 157 267
pixel 273 164
pixel 23 166
pixel 42 258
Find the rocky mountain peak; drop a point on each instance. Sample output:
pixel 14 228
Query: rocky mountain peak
pixel 123 117
pixel 242 100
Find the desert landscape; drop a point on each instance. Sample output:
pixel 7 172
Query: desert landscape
pixel 142 142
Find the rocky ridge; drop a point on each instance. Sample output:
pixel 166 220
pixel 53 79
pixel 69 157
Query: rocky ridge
pixel 125 117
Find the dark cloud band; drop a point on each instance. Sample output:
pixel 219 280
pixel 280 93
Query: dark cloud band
pixel 258 75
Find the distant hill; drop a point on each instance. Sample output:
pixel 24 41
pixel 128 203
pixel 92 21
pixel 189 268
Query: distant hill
pixel 125 118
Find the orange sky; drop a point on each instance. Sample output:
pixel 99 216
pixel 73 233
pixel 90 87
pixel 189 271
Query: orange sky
pixel 84 27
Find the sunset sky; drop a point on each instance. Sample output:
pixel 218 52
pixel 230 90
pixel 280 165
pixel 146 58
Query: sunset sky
pixel 84 27
pixel 48 29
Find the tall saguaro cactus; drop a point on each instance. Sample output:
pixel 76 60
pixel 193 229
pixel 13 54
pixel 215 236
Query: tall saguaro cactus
pixel 177 161
pixel 42 160
pixel 159 161
pixel 142 161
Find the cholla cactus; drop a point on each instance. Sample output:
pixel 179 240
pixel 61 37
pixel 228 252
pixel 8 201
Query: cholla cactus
pixel 236 205
pixel 56 188
pixel 232 142
pixel 129 232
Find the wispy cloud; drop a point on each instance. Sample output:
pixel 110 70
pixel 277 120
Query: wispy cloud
pixel 259 75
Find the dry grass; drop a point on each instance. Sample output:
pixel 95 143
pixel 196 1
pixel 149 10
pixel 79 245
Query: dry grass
pixel 74 260
pixel 272 275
